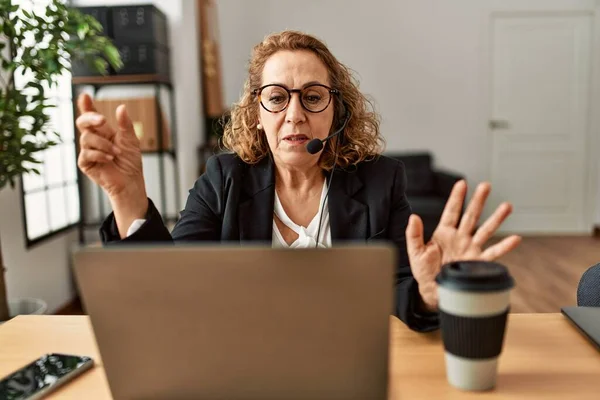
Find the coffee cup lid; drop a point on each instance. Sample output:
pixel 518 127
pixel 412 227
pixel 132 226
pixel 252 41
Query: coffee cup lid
pixel 477 276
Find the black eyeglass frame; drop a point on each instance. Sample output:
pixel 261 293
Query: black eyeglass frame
pixel 257 93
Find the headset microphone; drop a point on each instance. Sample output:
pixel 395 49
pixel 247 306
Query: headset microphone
pixel 316 145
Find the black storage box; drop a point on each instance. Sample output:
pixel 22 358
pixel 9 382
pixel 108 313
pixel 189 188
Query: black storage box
pixel 143 58
pixel 81 68
pixel 102 15
pixel 139 24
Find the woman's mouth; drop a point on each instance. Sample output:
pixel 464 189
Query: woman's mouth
pixel 295 139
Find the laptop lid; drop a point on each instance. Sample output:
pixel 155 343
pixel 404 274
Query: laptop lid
pixel 587 320
pixel 240 323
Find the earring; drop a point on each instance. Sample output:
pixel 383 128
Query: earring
pixel 259 127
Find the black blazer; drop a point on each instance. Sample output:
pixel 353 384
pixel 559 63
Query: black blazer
pixel 233 201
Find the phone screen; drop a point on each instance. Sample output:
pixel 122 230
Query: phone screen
pixel 41 375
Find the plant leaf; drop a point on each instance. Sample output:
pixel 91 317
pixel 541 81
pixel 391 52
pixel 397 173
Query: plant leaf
pixel 60 35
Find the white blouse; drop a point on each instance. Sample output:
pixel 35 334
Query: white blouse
pixel 307 236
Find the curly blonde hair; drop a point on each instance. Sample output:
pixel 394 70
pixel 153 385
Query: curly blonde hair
pixel 362 139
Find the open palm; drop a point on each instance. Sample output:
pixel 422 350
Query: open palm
pixel 453 241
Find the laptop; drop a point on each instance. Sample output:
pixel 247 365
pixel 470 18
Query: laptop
pixel 587 320
pixel 198 322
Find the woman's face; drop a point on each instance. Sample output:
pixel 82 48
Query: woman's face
pixel 289 131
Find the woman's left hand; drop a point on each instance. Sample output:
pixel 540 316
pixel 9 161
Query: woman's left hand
pixel 451 243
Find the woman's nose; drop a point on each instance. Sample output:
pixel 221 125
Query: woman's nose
pixel 295 112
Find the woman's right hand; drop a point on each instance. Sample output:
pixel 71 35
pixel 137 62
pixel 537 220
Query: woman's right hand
pixel 111 157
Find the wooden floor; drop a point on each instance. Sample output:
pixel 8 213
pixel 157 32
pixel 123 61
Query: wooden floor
pixel 546 270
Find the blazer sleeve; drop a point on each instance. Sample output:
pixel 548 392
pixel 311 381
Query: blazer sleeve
pixel 407 290
pixel 200 219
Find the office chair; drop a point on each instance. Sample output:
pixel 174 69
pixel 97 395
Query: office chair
pixel 588 291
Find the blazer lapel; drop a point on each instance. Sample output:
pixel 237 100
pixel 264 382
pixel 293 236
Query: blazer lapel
pixel 255 212
pixel 348 217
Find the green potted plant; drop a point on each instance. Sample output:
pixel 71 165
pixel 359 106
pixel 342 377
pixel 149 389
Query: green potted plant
pixel 39 44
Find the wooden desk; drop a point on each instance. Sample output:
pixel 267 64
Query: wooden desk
pixel 544 357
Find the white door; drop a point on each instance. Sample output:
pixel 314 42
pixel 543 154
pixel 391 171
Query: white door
pixel 541 66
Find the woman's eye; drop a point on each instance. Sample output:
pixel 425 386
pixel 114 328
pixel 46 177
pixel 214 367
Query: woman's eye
pixel 276 99
pixel 312 98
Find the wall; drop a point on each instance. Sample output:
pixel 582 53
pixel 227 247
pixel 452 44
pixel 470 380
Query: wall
pixel 42 271
pixel 423 62
pixel 597 219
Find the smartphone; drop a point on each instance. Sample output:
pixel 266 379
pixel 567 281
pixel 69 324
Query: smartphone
pixel 42 376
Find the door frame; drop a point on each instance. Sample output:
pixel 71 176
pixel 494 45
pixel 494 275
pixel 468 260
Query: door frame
pixel 521 8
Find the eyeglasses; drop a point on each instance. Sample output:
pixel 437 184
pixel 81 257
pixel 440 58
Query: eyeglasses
pixel 314 98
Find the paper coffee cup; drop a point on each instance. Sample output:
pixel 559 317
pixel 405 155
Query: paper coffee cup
pixel 474 299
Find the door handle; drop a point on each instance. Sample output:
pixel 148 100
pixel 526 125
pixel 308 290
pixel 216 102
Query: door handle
pixel 499 124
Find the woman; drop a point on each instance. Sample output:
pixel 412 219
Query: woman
pixel 272 189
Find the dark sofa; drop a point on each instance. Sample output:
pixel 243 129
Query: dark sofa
pixel 428 188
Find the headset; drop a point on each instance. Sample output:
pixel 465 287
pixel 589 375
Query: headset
pixel 316 145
